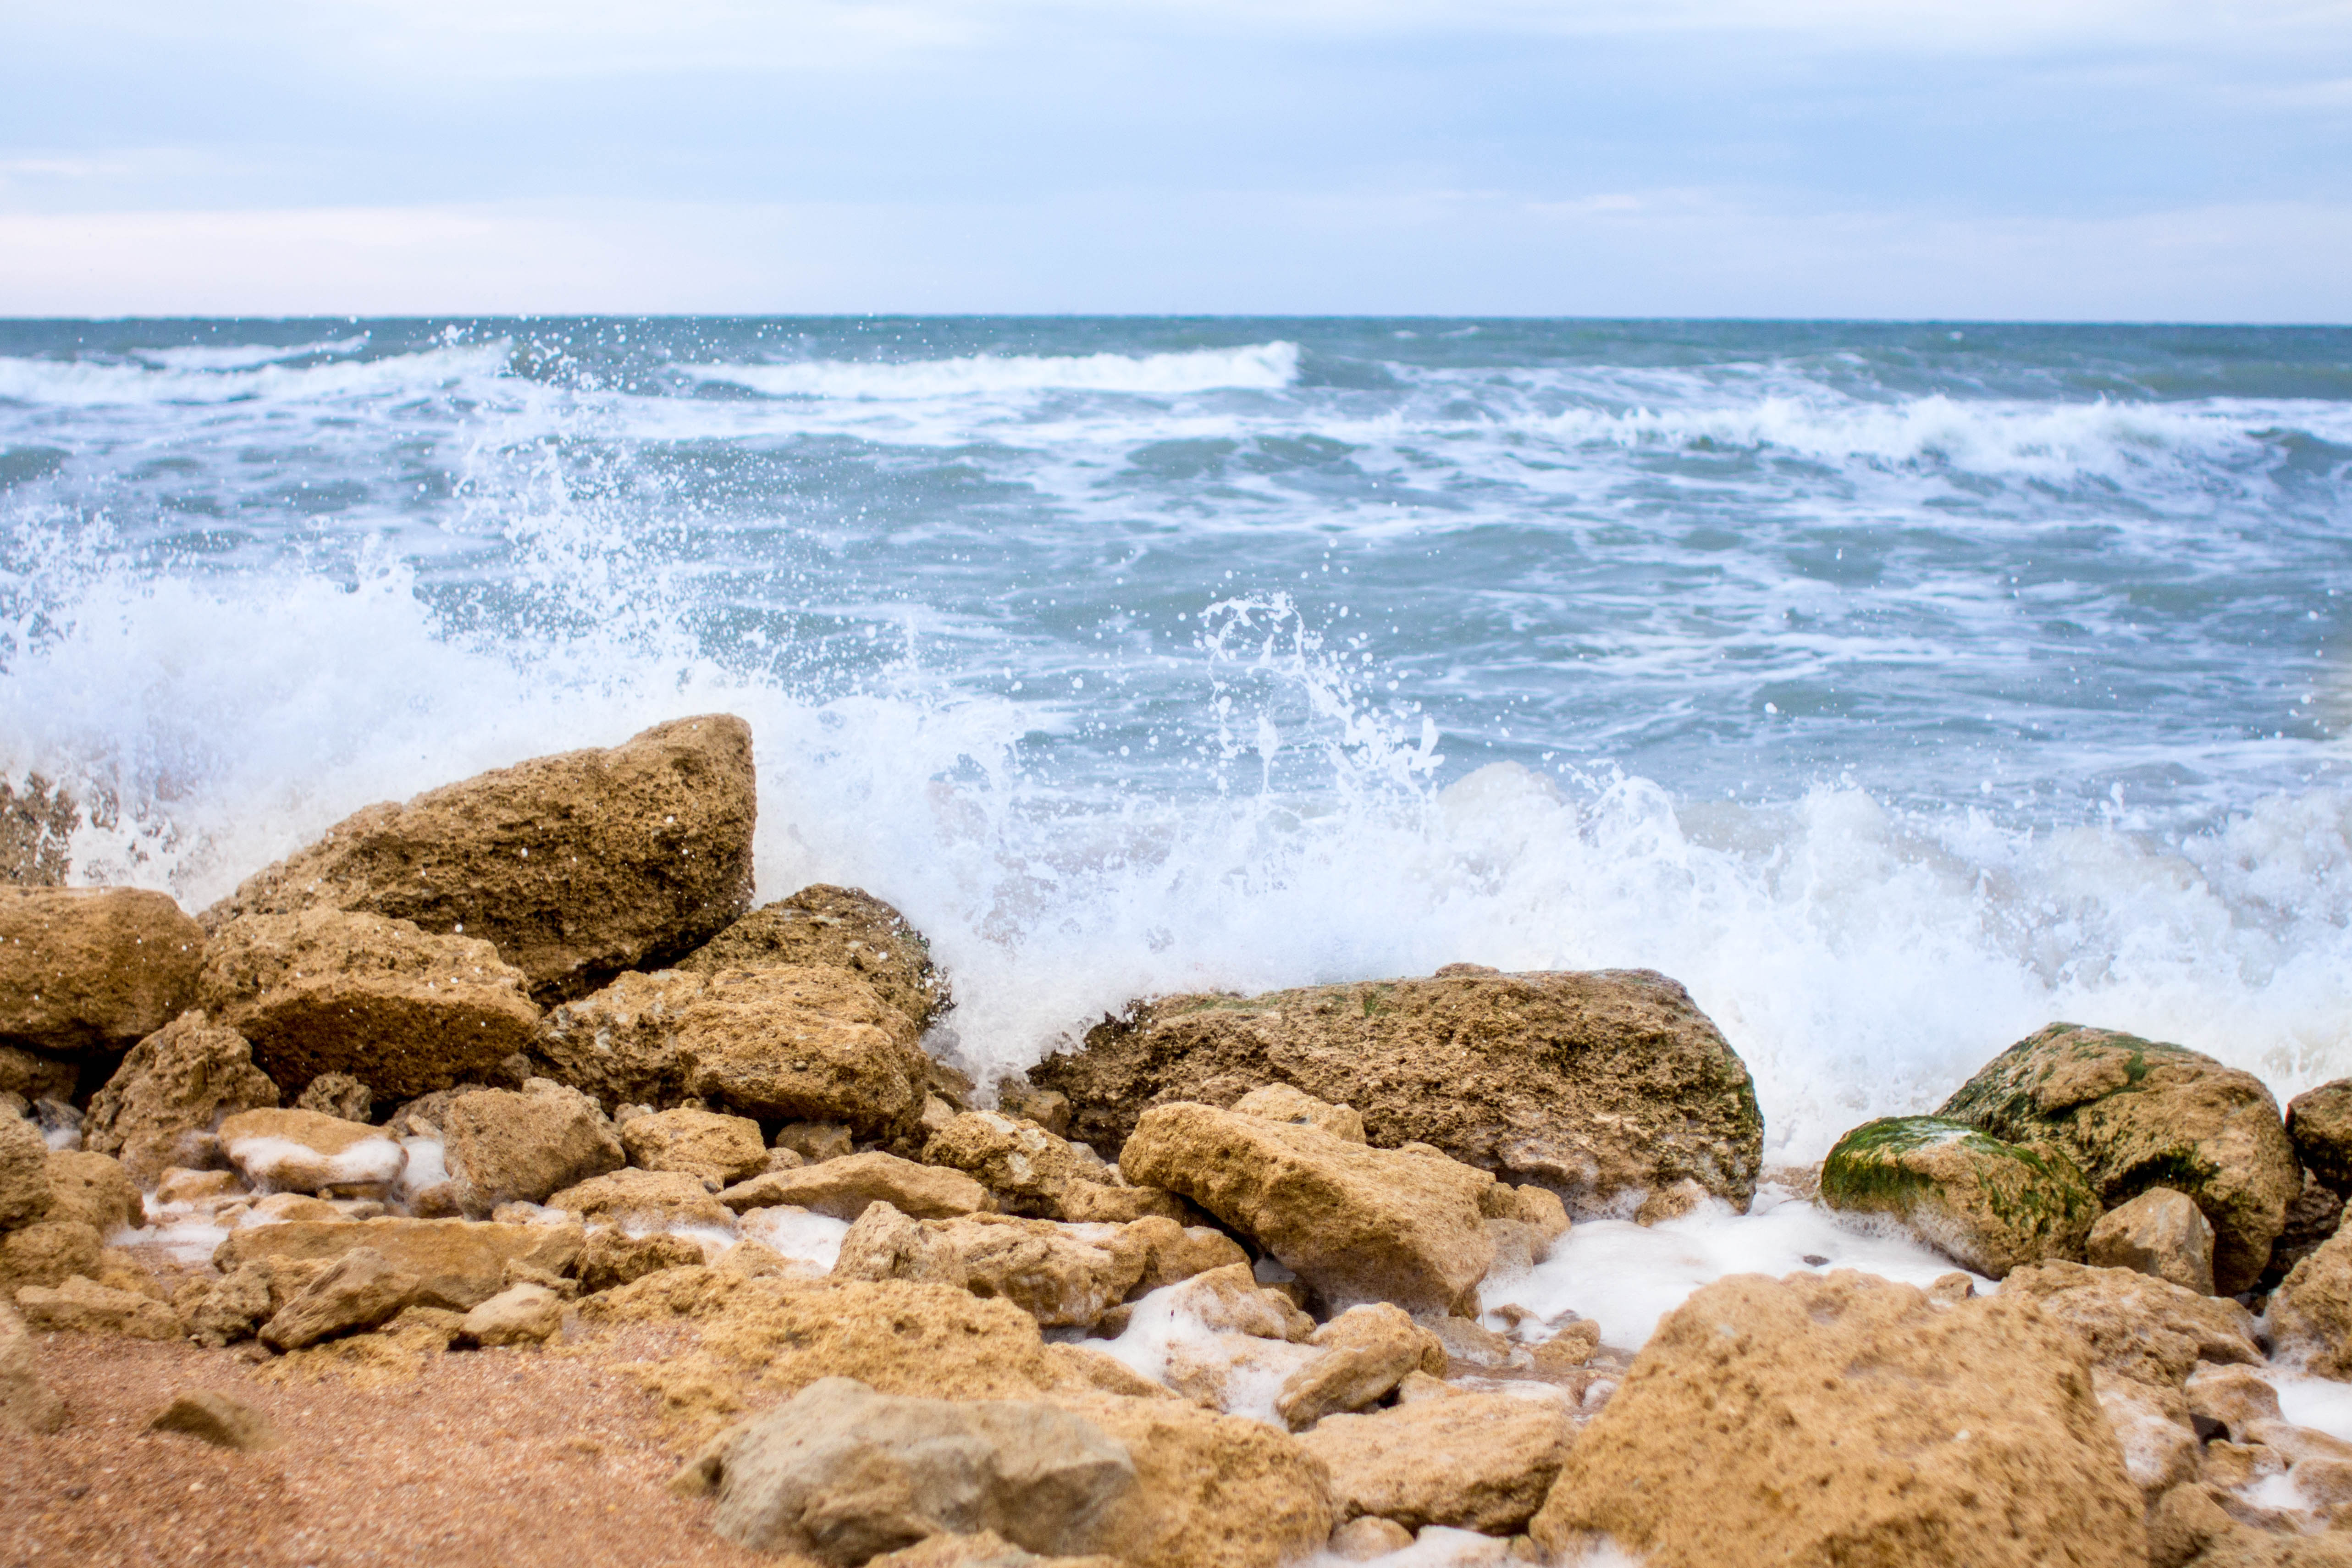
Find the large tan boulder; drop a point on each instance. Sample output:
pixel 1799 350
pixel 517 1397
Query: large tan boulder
pixel 725 1148
pixel 2135 1114
pixel 359 1290
pixel 184 1078
pixel 24 1172
pixel 458 1264
pixel 619 1045
pixel 396 1007
pixel 1357 1223
pixel 93 969
pixel 506 1146
pixel 2311 1311
pixel 82 1305
pixel 1473 1461
pixel 843 1474
pixel 824 927
pixel 2135 1326
pixel 307 1152
pixel 574 867
pixel 1604 1087
pixel 844 1188
pixel 94 1189
pixel 1845 1419
pixel 806 1044
pixel 26 1402
pixel 1988 1205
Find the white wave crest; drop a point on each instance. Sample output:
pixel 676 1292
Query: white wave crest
pixel 89 385
pixel 1257 366
pixel 246 356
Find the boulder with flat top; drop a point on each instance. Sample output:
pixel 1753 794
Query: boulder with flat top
pixel 92 970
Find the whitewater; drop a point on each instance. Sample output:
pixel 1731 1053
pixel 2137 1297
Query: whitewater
pixel 1898 688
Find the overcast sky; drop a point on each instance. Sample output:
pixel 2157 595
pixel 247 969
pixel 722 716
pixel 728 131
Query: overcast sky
pixel 1990 159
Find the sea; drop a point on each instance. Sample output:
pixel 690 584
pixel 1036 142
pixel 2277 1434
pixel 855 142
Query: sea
pixel 1899 688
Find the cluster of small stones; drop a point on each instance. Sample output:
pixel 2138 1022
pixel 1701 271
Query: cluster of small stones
pixel 515 1063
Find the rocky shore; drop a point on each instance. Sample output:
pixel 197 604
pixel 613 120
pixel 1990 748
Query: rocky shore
pixel 491 1181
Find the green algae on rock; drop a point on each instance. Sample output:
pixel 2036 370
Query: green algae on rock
pixel 2135 1114
pixel 1988 1206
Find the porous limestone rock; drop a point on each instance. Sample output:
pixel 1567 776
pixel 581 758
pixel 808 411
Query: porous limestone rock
pixel 575 866
pixel 2236 1396
pixel 522 1314
pixel 184 1079
pixel 94 1189
pixel 824 927
pixel 82 1305
pixel 202 1189
pixel 2160 1233
pixel 843 1188
pixel 726 1149
pixel 30 1075
pixel 843 1474
pixel 338 1094
pixel 47 1253
pixel 2154 1430
pixel 24 1172
pixel 1365 1351
pixel 304 1152
pixel 1475 1461
pixel 327 991
pixel 1357 1223
pixel 1227 1299
pixel 619 1045
pixel 2311 1311
pixel 2311 1219
pixel 91 970
pixel 1062 1275
pixel 2137 1327
pixel 1988 1205
pixel 520 1146
pixel 801 1044
pixel 458 1263
pixel 1036 1172
pixel 984 1549
pixel 654 1197
pixel 2319 1125
pixel 362 1290
pixel 26 1403
pixel 610 1258
pixel 1843 1418
pixel 221 1312
pixel 814 1141
pixel 1282 1102
pixel 37 821
pixel 211 1416
pixel 1603 1087
pixel 2135 1114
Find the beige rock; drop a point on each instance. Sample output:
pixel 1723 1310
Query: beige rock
pixel 985 1550
pixel 338 1094
pixel 1094 1202
pixel 1031 1170
pixel 1366 1352
pixel 325 991
pixel 619 1045
pixel 1602 1085
pixel 458 1263
pixel 1842 1418
pixel 26 1404
pixel 524 1314
pixel 610 1258
pixel 92 969
pixel 184 1078
pixel 2311 1219
pixel 646 1197
pixel 211 1416
pixel 814 1141
pixel 1464 1340
pixel 1476 1461
pixel 1988 1206
pixel 2137 1327
pixel 1356 1223
pixel 224 1310
pixel 1364 1538
pixel 280 1207
pixel 2154 1432
pixel 1228 1299
pixel 843 1474
pixel 824 927
pixel 304 1152
pixel 814 1045
pixel 175 1186
pixel 362 1290
pixel 93 1189
pixel 1063 1276
pixel 1537 1208
pixel 2236 1396
pixel 1173 1253
pixel 778 1160
pixel 725 1148
pixel 83 1306
pixel 2134 1113
pixel 47 1253
pixel 845 1188
pixel 118 1270
pixel 1417 1386
pixel 2311 1311
pixel 575 866
pixel 2319 1125
pixel 1282 1102
pixel 2160 1233
pixel 1517 1247
pixel 25 1192
pixel 502 1146
pixel 30 1075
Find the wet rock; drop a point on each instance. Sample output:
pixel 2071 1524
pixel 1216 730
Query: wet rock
pixel 1211 1492
pixel 2155 1432
pixel 824 927
pixel 575 866
pixel 91 970
pixel 1357 1223
pixel 1062 1275
pixel 843 1474
pixel 1477 1461
pixel 1229 1299
pixel 184 1079
pixel 2319 1125
pixel 458 1263
pixel 2311 1311
pixel 1366 1352
pixel 2160 1233
pixel 93 1189
pixel 80 1305
pixel 1281 1102
pixel 725 1148
pixel 507 1146
pixel 362 1290
pixel 2134 1114
pixel 1912 1431
pixel 304 1152
pixel 338 1094
pixel 198 1189
pixel 1603 1086
pixel 809 1044
pixel 2236 1396
pixel 523 1314
pixel 610 1258
pixel 1030 1170
pixel 47 1253
pixel 211 1416
pixel 2137 1327
pixel 1988 1205
pixel 37 821
pixel 382 1000
pixel 814 1141
pixel 26 1403
pixel 843 1188
pixel 619 1045
pixel 24 1173
pixel 653 1197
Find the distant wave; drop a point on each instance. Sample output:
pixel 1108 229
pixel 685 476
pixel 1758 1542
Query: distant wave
pixel 86 384
pixel 1262 366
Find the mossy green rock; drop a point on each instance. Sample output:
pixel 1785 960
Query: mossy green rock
pixel 1988 1206
pixel 2135 1114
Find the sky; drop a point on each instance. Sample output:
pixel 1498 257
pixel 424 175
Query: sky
pixel 1823 158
